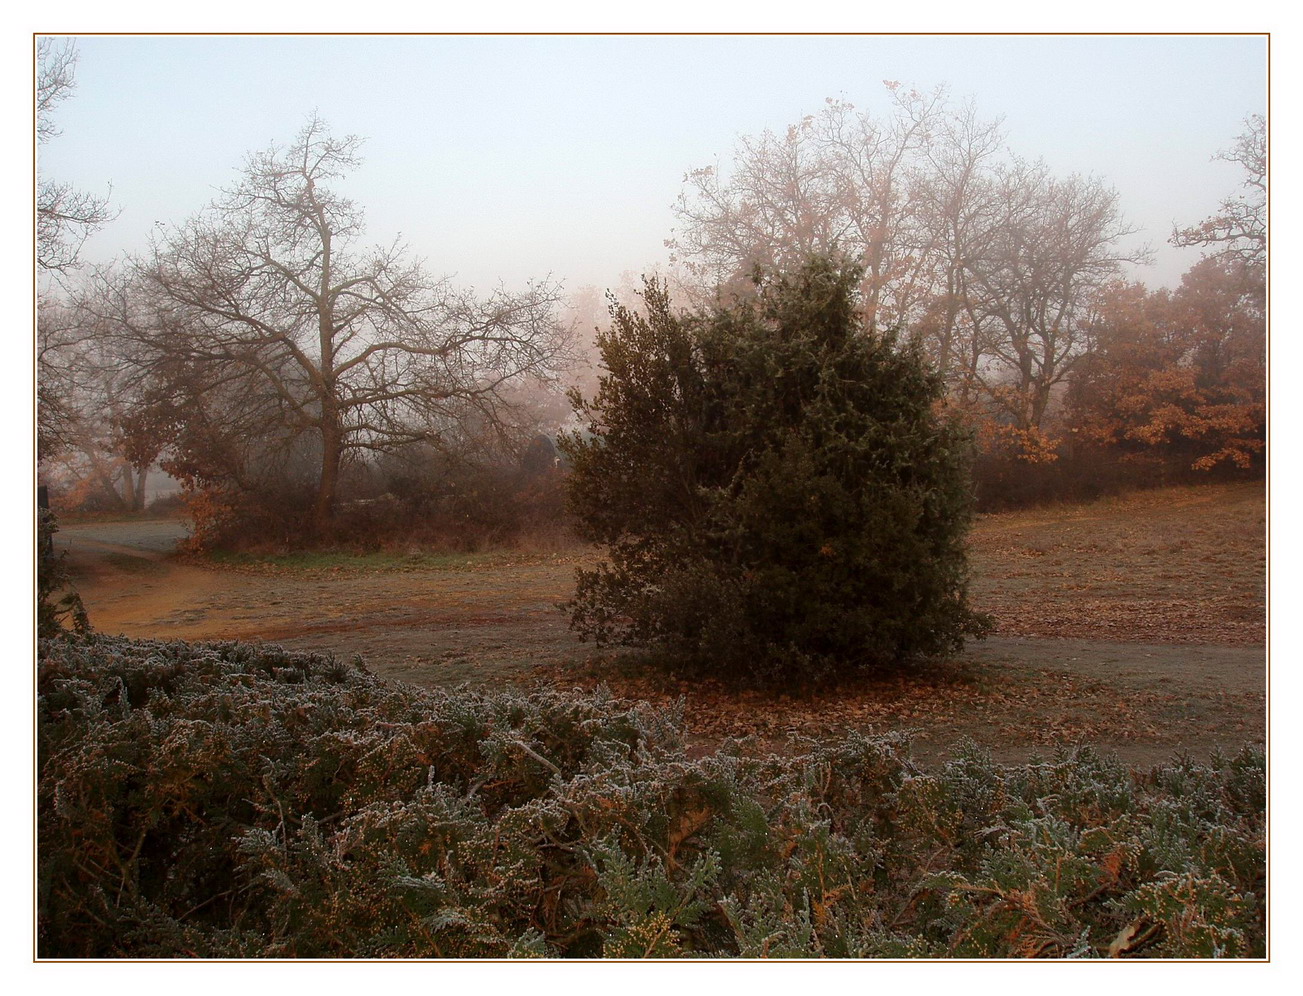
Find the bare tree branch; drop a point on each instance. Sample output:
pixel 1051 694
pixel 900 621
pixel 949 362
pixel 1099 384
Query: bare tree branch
pixel 1239 229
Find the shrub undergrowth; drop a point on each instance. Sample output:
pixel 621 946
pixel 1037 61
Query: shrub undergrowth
pixel 58 605
pixel 224 800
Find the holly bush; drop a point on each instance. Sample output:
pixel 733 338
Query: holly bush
pixel 781 491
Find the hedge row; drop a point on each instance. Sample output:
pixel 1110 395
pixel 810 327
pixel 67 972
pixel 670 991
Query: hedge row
pixel 224 800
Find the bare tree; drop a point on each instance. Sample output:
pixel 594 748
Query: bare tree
pixel 840 180
pixel 1047 247
pixel 65 216
pixel 56 408
pixel 987 258
pixel 56 65
pixel 954 202
pixel 89 391
pixel 1239 229
pixel 267 297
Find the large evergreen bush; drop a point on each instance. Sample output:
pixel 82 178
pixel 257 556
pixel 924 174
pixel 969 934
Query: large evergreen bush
pixel 780 489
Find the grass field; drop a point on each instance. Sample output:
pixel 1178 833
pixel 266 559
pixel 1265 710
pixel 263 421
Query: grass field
pixel 1176 565
pixel 1135 623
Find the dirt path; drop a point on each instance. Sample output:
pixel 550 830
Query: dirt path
pixel 473 623
pixel 492 621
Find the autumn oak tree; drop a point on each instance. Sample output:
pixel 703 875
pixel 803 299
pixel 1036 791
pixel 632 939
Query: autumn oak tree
pixel 266 306
pixel 1177 377
pixel 1182 375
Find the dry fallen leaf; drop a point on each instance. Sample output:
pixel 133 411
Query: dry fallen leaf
pixel 1122 943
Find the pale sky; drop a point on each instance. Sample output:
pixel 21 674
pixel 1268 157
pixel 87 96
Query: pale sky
pixel 505 158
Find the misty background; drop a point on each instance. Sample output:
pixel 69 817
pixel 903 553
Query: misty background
pixel 529 175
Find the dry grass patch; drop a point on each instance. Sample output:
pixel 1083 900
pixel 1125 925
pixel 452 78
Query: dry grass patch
pixel 1176 565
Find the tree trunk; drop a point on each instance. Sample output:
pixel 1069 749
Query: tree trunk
pixel 332 436
pixel 129 498
pixel 142 475
pixel 1040 402
pixel 332 451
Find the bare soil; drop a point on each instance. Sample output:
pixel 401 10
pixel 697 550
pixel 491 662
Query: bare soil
pixel 1136 624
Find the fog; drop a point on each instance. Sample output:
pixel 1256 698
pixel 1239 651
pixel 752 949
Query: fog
pixel 323 269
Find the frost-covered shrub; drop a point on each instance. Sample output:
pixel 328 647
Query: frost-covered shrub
pixel 224 800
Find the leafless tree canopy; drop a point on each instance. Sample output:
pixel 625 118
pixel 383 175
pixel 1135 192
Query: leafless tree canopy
pixel 990 258
pixel 836 179
pixel 1239 229
pixel 268 299
pixel 65 216
pixel 266 344
pixel 1048 246
pixel 91 393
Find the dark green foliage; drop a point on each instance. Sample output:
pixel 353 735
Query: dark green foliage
pixel 780 490
pixel 229 801
pixel 55 611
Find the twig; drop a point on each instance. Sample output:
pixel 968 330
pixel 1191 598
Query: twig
pixel 537 756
